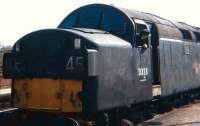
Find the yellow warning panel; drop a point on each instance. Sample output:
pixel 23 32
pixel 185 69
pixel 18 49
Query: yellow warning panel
pixel 20 93
pixel 48 94
pixel 71 96
pixel 43 94
pixel 33 89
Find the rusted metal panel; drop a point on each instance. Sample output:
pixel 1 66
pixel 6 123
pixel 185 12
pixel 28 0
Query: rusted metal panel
pixel 48 94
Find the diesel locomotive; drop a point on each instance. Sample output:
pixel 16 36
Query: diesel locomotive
pixel 101 58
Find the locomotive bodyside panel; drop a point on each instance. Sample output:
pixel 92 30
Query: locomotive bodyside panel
pixel 179 66
pixel 119 82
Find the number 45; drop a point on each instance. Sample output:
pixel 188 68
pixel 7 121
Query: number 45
pixel 72 62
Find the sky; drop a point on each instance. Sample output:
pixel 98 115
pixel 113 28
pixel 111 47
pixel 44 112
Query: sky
pixel 20 17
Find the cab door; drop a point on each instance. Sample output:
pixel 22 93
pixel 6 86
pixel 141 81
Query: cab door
pixel 143 55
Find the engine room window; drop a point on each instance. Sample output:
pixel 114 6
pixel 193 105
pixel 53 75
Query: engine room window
pixel 197 35
pixel 186 34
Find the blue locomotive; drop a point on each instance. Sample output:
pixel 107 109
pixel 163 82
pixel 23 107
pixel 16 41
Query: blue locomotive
pixel 102 58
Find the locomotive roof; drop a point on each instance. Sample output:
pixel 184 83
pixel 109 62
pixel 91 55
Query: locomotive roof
pixel 97 37
pixel 164 26
pixel 101 38
pixel 155 19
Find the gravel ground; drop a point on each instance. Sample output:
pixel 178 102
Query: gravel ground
pixel 188 115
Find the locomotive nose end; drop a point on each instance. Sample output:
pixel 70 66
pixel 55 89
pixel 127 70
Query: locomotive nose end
pixel 48 68
pixel 36 55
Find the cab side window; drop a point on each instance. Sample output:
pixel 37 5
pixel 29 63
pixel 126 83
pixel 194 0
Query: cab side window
pixel 141 35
